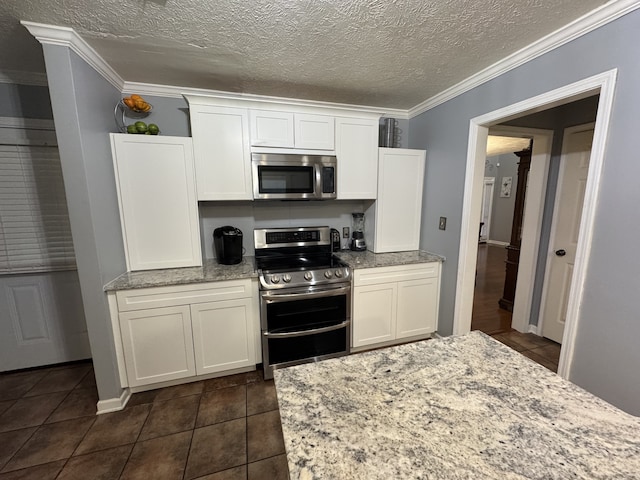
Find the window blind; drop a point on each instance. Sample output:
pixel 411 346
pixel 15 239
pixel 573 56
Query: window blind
pixel 35 234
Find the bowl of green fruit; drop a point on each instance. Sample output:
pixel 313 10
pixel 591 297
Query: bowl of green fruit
pixel 143 128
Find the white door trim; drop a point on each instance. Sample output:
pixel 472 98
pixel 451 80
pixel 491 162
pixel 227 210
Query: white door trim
pixel 534 208
pixel 554 222
pixel 604 84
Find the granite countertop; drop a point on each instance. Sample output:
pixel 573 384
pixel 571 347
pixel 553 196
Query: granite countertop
pixel 211 271
pixel 462 407
pixel 369 259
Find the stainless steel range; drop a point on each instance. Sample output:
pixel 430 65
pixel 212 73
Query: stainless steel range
pixel 305 297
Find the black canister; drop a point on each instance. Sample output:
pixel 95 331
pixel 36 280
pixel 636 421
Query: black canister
pixel 227 242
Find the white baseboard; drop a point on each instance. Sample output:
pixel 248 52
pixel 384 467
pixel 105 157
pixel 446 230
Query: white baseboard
pixel 114 404
pixel 497 242
pixel 533 329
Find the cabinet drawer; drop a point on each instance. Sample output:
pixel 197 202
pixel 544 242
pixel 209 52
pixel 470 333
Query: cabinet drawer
pixel 156 297
pixel 400 273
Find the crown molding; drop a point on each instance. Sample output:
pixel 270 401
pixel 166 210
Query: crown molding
pixel 35 79
pixel 170 91
pixel 68 37
pixel 579 27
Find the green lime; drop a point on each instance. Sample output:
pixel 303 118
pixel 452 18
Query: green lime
pixel 153 129
pixel 132 129
pixel 141 127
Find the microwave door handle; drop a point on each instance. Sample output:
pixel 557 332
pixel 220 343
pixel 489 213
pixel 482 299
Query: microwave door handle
pixel 318 171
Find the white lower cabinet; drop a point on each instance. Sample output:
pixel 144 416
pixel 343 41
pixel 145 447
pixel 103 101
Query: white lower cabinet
pixel 394 303
pixel 158 344
pixel 169 333
pixel 233 349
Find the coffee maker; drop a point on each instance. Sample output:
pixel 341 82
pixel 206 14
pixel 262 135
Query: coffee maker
pixel 228 244
pixel 357 232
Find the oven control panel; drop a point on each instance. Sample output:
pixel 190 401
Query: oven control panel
pixel 304 278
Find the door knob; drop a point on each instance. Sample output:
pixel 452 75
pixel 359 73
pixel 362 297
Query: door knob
pixel 561 253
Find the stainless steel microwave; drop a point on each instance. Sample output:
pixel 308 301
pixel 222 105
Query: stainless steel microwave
pixel 293 177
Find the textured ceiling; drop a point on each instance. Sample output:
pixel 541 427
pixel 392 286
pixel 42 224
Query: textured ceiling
pixel 389 53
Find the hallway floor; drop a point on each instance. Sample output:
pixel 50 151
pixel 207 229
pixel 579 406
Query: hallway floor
pixel 489 318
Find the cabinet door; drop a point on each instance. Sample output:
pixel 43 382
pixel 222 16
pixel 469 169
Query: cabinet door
pixel 271 128
pixel 374 314
pixel 157 345
pixel 158 206
pixel 223 335
pixel 222 152
pixel 417 312
pixel 399 204
pixel 315 132
pixel 357 153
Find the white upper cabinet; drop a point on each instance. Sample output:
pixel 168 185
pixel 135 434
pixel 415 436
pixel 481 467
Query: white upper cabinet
pixel 157 197
pixel 222 152
pixel 398 209
pixel 271 128
pixel 357 153
pixel 315 132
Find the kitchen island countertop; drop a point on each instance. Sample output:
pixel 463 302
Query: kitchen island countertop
pixel 211 271
pixel 462 407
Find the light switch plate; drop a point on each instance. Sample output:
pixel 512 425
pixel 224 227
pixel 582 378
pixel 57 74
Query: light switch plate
pixel 443 223
pixel 345 232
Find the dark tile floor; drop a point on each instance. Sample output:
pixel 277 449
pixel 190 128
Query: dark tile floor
pixel 220 429
pixel 539 349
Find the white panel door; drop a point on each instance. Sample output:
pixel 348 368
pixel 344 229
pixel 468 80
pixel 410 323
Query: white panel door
pixel 357 153
pixel 41 320
pixel 487 207
pixel 374 314
pixel 157 344
pixel 271 129
pixel 399 204
pixel 222 152
pixel 315 132
pixel 158 205
pixel 223 335
pixel 417 312
pixel 574 167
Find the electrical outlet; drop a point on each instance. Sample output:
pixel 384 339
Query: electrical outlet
pixel 443 223
pixel 345 232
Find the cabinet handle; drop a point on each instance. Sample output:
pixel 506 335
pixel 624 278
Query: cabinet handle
pixel 561 252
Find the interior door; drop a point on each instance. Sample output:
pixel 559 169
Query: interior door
pixel 576 150
pixel 487 207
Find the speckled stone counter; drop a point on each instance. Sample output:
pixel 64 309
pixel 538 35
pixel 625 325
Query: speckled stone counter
pixel 369 259
pixel 211 271
pixel 455 408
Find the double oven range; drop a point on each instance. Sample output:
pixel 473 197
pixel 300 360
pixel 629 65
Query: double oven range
pixel 305 297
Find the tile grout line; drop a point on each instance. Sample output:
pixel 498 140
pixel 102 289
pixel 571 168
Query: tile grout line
pixel 193 432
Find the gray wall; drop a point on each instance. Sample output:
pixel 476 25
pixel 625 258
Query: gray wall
pixel 556 119
pixel 502 208
pixel 606 354
pixel 24 101
pixel 170 114
pixel 83 105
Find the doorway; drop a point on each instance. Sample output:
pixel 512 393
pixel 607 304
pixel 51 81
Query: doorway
pixel 602 84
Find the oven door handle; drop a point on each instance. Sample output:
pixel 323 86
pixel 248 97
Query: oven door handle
pixel 303 333
pixel 270 297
